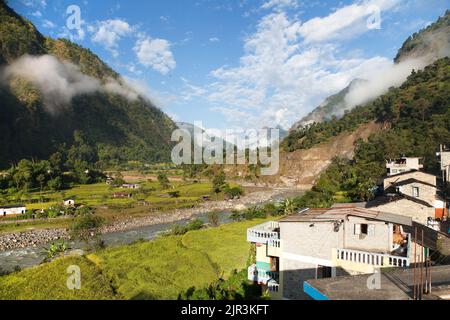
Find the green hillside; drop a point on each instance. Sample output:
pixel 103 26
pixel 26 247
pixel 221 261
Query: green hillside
pixel 121 129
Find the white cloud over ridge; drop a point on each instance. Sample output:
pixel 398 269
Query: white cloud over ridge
pixel 59 82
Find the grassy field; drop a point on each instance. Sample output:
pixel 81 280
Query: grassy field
pixel 48 282
pixel 158 269
pixel 102 194
pixel 151 198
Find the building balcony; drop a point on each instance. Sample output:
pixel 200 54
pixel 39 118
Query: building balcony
pixel 262 276
pixel 274 248
pixel 264 232
pixel 371 259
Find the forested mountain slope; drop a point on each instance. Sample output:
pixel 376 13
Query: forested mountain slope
pixel 38 114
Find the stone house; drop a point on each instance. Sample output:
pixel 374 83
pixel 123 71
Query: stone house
pixel 413 194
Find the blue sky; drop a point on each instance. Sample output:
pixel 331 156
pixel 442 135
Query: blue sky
pixel 238 63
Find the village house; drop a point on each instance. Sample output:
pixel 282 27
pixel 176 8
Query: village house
pixel 130 186
pixel 414 194
pixel 12 210
pixel 69 202
pixel 122 195
pixel 324 243
pixel 402 165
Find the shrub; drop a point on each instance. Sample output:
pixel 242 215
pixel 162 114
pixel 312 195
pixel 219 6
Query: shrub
pixel 86 226
pixel 55 249
pixel 213 219
pixel 178 230
pixel 234 193
pixel 174 194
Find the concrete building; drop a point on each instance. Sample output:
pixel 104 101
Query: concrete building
pixel 402 165
pixel 444 160
pixel 324 243
pixel 12 210
pixel 130 186
pixel 69 202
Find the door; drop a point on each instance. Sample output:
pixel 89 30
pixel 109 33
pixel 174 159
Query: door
pixel 323 272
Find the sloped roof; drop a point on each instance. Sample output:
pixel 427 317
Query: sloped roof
pixel 409 172
pixel 409 181
pixel 382 200
pixel 337 214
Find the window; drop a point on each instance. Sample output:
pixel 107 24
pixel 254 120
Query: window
pixel 364 229
pixel 415 192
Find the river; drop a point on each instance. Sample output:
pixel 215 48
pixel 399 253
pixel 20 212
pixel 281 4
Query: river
pixel 31 256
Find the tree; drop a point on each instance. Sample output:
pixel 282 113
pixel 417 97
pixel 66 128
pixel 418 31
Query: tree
pixel 163 180
pixel 218 181
pixel 86 227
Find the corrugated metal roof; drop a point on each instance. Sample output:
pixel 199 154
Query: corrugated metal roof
pixel 335 214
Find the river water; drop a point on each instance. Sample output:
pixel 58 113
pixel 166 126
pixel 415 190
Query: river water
pixel 31 256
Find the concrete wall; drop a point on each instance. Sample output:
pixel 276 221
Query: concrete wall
pixel 379 238
pixel 404 207
pixel 11 211
pixel 307 245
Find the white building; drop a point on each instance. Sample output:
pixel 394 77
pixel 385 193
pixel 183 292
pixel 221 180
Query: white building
pixel 12 210
pixel 130 186
pixel 402 165
pixel 69 202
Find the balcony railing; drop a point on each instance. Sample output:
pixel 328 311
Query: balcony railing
pixel 264 232
pixel 276 243
pixel 273 286
pixel 374 259
pixel 261 276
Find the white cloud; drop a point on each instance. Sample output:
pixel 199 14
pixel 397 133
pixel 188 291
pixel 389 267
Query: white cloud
pixel 345 22
pixel 48 24
pixel 280 4
pixel 37 14
pixel 214 39
pixel 160 99
pixel 109 32
pixel 155 53
pixel 280 77
pixel 35 3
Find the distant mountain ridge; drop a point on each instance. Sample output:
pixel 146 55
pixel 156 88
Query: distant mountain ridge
pixel 433 40
pixel 334 105
pixel 123 124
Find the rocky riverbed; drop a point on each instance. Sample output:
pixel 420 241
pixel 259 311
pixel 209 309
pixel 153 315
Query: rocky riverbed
pixel 31 238
pixel 39 237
